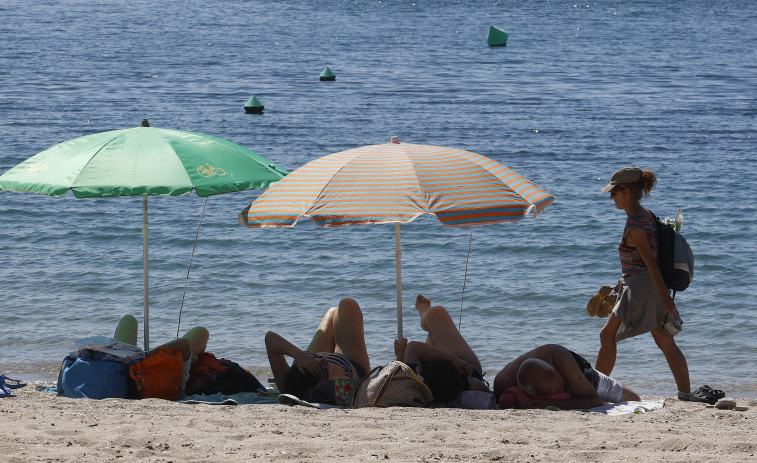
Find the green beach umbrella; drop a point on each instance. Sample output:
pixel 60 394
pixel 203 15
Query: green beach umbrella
pixel 142 161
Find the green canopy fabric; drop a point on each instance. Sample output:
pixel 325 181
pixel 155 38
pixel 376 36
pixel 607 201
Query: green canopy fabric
pixel 142 161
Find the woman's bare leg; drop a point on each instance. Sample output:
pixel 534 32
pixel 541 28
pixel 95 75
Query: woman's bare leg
pixel 442 332
pixel 422 305
pixel 607 348
pixel 198 341
pixel 349 335
pixel 323 339
pixel 676 360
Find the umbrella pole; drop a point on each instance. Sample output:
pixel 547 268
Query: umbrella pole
pixel 398 257
pixel 147 291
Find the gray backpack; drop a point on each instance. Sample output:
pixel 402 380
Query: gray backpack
pixel 676 261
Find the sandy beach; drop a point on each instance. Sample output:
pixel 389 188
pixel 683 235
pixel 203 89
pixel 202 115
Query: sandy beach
pixel 40 426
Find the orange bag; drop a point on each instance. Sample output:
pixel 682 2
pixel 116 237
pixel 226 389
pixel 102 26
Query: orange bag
pixel 159 375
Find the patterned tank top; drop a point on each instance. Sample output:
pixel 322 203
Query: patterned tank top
pixel 631 262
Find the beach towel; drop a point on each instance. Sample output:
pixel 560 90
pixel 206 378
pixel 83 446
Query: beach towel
pixel 627 408
pixel 516 398
pixel 240 398
pixel 289 399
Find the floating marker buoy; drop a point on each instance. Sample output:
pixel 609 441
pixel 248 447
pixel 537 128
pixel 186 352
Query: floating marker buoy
pixel 327 74
pixel 497 37
pixel 253 105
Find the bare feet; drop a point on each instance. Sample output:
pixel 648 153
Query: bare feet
pixel 422 305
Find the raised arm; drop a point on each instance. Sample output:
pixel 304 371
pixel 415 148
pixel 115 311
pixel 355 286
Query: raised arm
pixel 278 349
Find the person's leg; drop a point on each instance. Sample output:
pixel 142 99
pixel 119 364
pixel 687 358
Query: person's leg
pixel 323 339
pixel 198 341
pixel 676 360
pixel 610 390
pixel 126 331
pixel 442 331
pixel 349 335
pixel 607 347
pixel 629 395
pixel 180 344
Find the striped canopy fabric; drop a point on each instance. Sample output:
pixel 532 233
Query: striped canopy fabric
pixel 395 183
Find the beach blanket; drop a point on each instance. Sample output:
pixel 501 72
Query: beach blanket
pixel 627 408
pixel 616 409
pixel 240 398
pixel 288 399
pixel 273 397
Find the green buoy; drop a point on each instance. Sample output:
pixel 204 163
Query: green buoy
pixel 497 37
pixel 253 105
pixel 327 74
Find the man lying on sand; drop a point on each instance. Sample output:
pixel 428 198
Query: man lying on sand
pixel 552 375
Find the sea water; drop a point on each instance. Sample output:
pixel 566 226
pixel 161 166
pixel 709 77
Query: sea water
pixel 580 90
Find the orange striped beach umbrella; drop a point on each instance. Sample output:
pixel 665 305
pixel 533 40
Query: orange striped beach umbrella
pixel 395 183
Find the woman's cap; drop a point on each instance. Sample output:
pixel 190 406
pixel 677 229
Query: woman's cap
pixel 621 176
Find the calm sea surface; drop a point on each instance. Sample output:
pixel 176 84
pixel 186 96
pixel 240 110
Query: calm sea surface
pixel 581 90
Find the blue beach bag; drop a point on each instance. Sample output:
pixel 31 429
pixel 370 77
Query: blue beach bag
pixel 93 379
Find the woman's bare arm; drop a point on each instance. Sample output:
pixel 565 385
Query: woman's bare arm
pixel 278 349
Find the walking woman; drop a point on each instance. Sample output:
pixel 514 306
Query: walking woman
pixel 644 303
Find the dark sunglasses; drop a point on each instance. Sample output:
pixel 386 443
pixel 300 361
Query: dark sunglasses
pixel 615 190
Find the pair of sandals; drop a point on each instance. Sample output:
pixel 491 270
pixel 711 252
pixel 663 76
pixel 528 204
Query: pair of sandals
pixel 602 303
pixel 704 394
pixel 6 384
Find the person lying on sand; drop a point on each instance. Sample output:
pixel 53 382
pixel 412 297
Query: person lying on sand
pixel 445 361
pixel 337 351
pixel 552 375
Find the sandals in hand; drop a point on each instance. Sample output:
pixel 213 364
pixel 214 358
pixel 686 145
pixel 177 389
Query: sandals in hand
pixel 606 307
pixel 595 303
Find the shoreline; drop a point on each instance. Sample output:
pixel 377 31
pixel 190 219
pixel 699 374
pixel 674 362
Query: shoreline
pixel 83 430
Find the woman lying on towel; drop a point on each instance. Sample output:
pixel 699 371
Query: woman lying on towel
pixel 337 351
pixel 445 362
